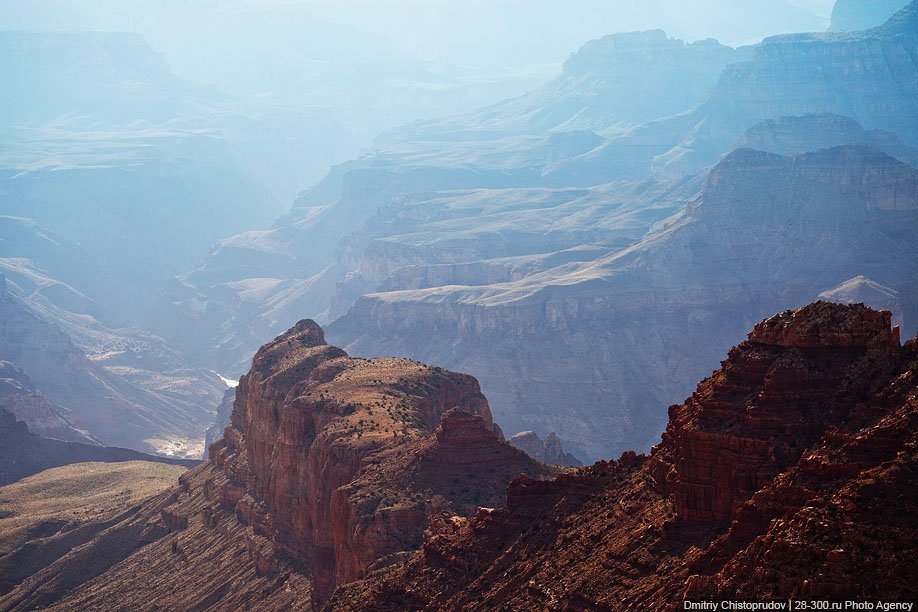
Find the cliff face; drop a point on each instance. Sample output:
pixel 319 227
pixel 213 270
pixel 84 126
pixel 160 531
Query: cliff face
pixel 308 421
pixel 634 327
pixel 330 467
pixel 788 473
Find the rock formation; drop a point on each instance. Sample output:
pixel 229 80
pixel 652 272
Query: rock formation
pixel 788 473
pixel 330 467
pixel 548 450
pixel 612 335
pixel 19 396
pixel 104 401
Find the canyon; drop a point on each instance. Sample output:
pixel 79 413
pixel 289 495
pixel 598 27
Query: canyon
pixel 497 238
pixel 588 348
pixel 351 484
pixel 209 400
pixel 788 473
pixel 331 467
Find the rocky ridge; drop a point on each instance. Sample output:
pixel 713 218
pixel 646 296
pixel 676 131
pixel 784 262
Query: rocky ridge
pixel 549 450
pixel 330 467
pixel 789 472
pixel 647 317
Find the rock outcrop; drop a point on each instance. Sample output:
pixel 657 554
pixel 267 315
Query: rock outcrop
pixel 308 421
pixel 330 468
pixel 549 450
pixel 788 473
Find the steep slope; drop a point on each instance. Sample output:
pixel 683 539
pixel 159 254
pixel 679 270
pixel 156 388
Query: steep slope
pixel 789 473
pixel 47 514
pixel 586 349
pixel 19 396
pixel 98 400
pixel 331 466
pixel 23 453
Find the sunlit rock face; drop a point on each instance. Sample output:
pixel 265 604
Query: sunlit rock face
pixel 331 467
pixel 338 460
pixel 791 461
pixel 586 349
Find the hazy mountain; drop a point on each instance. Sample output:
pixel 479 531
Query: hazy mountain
pixel 253 284
pixel 585 349
pixel 452 226
pixel 850 15
pixel 118 393
pixel 866 75
pixel 103 144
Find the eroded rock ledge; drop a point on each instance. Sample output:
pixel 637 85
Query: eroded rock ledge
pixel 790 472
pixel 331 467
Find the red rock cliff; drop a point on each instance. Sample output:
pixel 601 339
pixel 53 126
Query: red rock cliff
pixel 309 423
pixel 789 472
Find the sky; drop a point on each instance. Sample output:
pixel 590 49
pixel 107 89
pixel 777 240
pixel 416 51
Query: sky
pixel 328 52
pixel 463 32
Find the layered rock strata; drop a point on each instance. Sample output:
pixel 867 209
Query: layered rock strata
pixel 330 468
pixel 550 450
pixel 789 472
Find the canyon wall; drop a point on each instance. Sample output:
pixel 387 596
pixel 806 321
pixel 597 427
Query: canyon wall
pixel 788 473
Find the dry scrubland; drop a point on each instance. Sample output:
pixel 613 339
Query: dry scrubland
pixel 63 497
